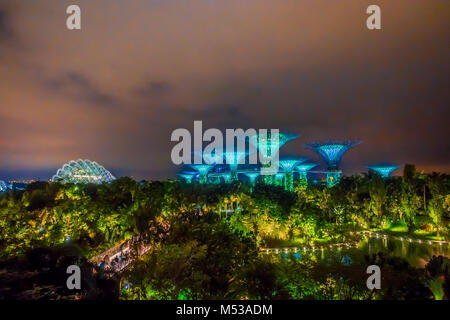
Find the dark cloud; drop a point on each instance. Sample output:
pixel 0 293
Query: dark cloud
pixel 77 86
pixel 3 23
pixel 155 88
pixel 5 28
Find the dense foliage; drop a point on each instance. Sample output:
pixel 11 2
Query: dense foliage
pixel 205 238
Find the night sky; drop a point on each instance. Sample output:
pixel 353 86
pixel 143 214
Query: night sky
pixel 114 91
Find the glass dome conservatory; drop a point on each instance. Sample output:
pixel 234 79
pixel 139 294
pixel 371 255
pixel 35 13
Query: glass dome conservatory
pixel 83 171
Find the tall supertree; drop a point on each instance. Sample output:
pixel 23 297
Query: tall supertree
pixel 203 170
pixel 384 170
pixel 270 146
pixel 288 166
pixel 187 176
pixel 332 153
pixel 302 169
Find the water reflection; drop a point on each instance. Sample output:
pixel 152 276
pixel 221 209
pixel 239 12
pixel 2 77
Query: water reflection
pixel 417 254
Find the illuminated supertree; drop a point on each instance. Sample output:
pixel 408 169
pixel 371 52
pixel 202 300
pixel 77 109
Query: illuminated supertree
pixel 333 177
pixel 227 176
pixel 302 169
pixel 384 170
pixel 252 176
pixel 187 176
pixel 269 146
pixel 232 158
pixel 332 153
pixel 279 178
pixel 214 177
pixel 288 166
pixel 203 170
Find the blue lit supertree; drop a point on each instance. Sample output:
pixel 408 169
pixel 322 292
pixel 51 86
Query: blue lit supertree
pixel 203 170
pixel 232 158
pixel 227 176
pixel 187 176
pixel 384 170
pixel 302 169
pixel 332 153
pixel 288 166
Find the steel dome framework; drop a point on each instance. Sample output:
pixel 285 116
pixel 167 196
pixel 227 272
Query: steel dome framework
pixel 83 171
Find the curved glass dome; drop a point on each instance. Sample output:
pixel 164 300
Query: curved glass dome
pixel 83 171
pixel 4 186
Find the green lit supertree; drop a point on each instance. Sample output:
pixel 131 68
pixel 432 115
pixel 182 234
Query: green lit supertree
pixel 279 177
pixel 303 169
pixel 288 166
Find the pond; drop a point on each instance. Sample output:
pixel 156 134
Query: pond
pixel 416 252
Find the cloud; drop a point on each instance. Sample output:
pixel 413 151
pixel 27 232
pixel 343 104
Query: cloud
pixel 155 88
pixel 114 91
pixel 77 86
pixel 5 28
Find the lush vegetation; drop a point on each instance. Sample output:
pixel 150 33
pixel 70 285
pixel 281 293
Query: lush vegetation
pixel 205 239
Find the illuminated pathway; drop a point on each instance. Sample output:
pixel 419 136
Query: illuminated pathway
pixel 121 253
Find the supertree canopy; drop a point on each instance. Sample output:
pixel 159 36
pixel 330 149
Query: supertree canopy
pixel 203 170
pixel 384 170
pixel 232 158
pixel 226 176
pixel 331 152
pixel 304 167
pixel 188 176
pixel 252 176
pixel 288 166
pixel 83 171
pixel 270 143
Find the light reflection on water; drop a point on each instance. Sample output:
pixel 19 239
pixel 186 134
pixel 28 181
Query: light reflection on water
pixel 417 254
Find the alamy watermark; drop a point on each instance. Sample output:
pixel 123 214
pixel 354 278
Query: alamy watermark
pixel 374 281
pixel 74 280
pixel 73 21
